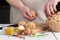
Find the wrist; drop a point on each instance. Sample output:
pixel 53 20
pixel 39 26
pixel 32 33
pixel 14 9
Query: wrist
pixel 21 7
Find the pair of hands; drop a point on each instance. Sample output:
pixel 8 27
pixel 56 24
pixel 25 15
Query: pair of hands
pixel 50 8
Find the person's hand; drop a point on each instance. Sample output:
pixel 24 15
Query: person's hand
pixel 50 7
pixel 26 13
pixel 21 7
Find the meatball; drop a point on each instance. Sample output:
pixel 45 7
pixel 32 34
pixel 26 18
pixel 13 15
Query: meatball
pixel 21 23
pixel 31 25
pixel 27 31
pixel 33 13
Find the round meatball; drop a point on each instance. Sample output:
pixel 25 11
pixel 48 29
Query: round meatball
pixel 21 23
pixel 27 31
pixel 33 13
pixel 31 25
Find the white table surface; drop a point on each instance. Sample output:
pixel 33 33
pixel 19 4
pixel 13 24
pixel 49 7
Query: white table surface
pixel 50 36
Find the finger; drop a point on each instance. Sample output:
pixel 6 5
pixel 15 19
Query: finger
pixel 51 8
pixel 45 10
pixel 54 7
pixel 25 16
pixel 48 10
pixel 28 13
pixel 33 18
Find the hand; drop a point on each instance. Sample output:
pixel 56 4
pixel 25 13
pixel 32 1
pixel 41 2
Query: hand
pixel 26 13
pixel 50 7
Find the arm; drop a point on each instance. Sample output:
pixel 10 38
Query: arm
pixel 15 3
pixel 20 6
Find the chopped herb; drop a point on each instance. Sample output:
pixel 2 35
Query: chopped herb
pixel 39 35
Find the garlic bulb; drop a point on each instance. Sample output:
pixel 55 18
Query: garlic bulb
pixel 21 27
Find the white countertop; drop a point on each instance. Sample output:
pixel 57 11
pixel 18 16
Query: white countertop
pixel 50 36
pixel 7 37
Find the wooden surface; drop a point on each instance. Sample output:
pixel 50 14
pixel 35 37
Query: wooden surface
pixel 49 36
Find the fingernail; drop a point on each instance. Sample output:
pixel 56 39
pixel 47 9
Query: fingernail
pixel 56 11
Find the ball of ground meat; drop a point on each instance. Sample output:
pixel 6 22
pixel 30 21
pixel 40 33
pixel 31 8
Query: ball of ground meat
pixel 31 25
pixel 27 31
pixel 21 23
pixel 33 13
